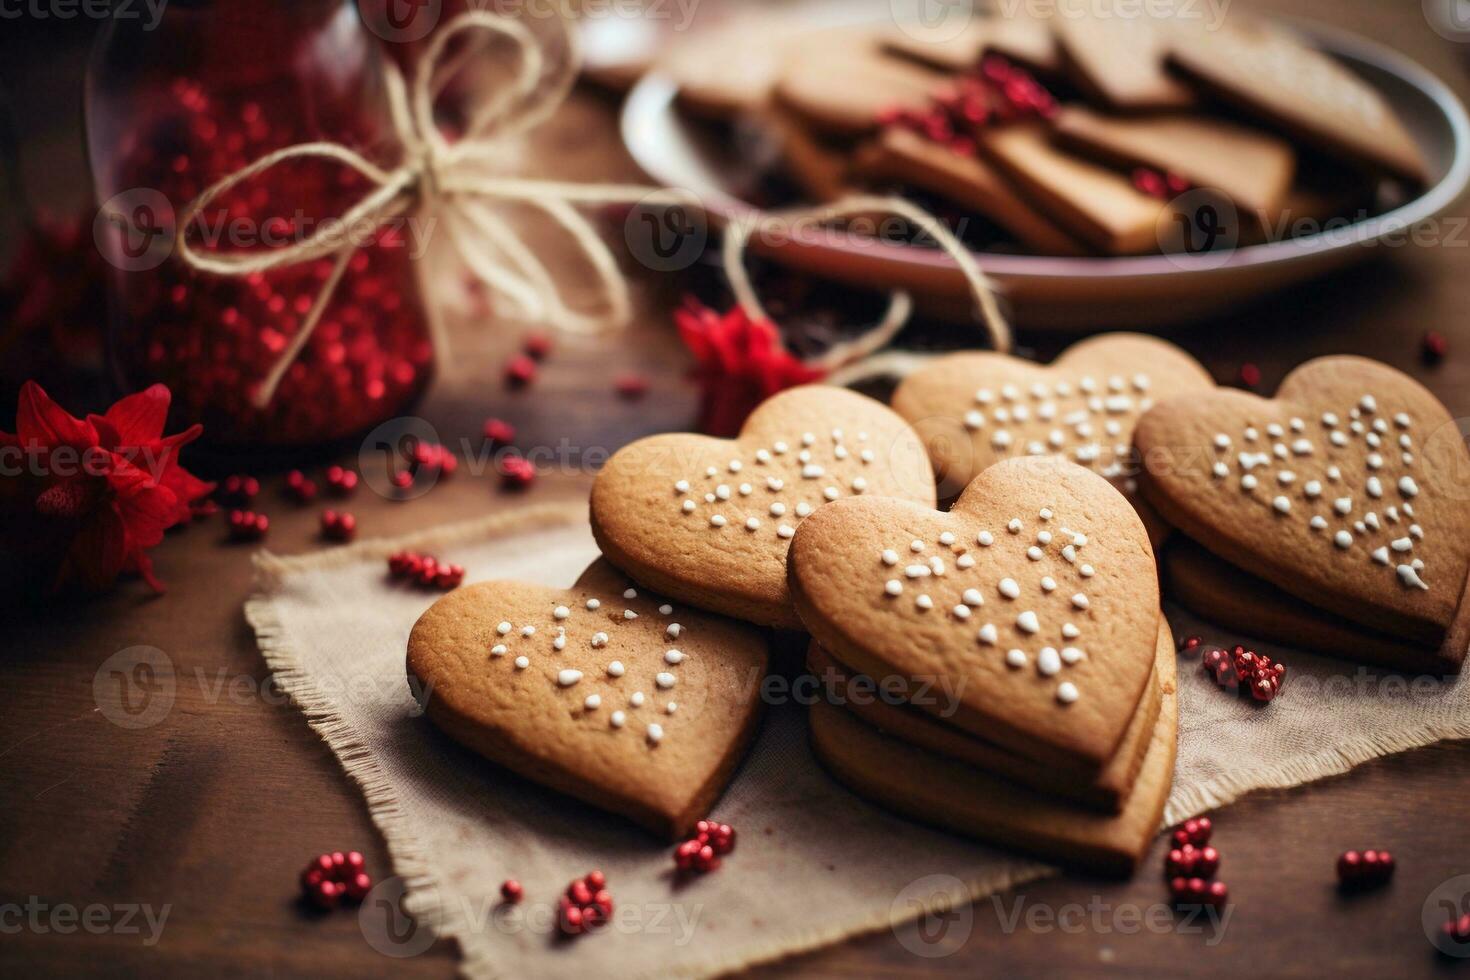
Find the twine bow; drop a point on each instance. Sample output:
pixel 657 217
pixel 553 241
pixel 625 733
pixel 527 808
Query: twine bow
pixel 457 183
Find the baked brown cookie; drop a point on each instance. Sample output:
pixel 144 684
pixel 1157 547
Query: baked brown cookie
pixel 904 157
pixel 1091 202
pixel 1217 591
pixel 1025 40
pixel 601 691
pixel 1251 168
pixel 975 408
pixel 1309 95
pixel 1119 62
pixel 1346 491
pixel 1036 596
pixel 841 90
pixel 1104 791
pixel 935 790
pixel 709 521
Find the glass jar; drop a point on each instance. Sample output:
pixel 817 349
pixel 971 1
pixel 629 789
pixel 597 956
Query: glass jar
pixel 216 85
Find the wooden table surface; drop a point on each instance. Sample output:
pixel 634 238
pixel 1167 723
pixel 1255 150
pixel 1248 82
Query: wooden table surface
pixel 211 811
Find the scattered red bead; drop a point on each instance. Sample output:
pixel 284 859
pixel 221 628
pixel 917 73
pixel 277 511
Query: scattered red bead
pixel 1364 869
pixel 425 570
pixel 246 525
pixel 299 487
pixel 1198 891
pixel 511 890
pixel 1249 376
pixel 517 473
pixel 585 905
pixel 338 527
pixel 1246 670
pixel 330 878
pixel 1195 832
pixel 958 110
pixel 238 490
pixel 341 482
pixel 1190 643
pixel 537 345
pixel 702 852
pixel 520 371
pixel 431 457
pixel 631 387
pixel 1457 930
pixel 1433 348
pixel 499 433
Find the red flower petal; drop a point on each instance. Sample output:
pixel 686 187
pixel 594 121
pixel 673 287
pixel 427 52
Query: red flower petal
pixel 138 419
pixel 40 421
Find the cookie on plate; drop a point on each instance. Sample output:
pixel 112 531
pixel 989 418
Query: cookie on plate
pixel 1347 491
pixel 946 793
pixel 1106 790
pixel 908 159
pixel 1091 202
pixel 602 691
pixel 1036 596
pixel 973 409
pixel 841 90
pixel 709 521
pixel 1307 94
pixel 1119 62
pixel 1251 168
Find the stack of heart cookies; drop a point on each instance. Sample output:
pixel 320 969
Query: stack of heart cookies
pixel 1071 134
pixel 1002 669
pixel 1029 675
pixel 1332 517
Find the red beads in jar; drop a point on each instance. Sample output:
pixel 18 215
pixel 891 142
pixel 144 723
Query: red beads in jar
pixel 212 88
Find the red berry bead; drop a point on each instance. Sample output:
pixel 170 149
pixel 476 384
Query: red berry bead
pixel 358 885
pixel 238 489
pixel 1190 643
pixel 341 482
pixel 326 894
pixel 1433 348
pixel 511 890
pixel 631 387
pixel 1206 862
pixel 517 473
pixel 402 480
pixel 1180 862
pixel 246 525
pixel 1457 930
pixel 520 371
pixel 537 345
pixel 1195 832
pixel 499 433
pixel 1366 869
pixel 596 881
pixel 685 854
pixel 299 487
pixel 338 527
pixel 571 919
pixel 1250 375
pixel 579 893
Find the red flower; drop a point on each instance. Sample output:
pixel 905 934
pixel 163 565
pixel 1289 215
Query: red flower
pixel 88 497
pixel 742 362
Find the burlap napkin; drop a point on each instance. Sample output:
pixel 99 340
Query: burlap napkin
pixel 813 865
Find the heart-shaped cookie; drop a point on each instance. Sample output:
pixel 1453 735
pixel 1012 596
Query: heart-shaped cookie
pixel 1035 599
pixel 709 521
pixel 974 409
pixel 1347 491
pixel 601 691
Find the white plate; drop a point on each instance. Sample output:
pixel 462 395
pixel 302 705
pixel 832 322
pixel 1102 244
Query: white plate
pixel 1087 293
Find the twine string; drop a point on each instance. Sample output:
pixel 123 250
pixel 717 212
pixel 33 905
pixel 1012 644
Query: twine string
pixel 455 181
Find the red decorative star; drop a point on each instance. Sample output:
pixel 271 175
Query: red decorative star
pixel 741 363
